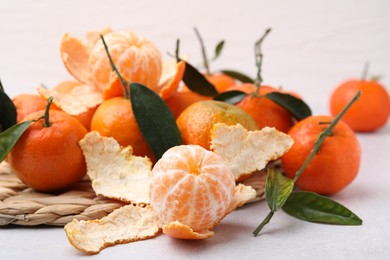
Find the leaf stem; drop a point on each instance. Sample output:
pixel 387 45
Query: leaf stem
pixel 327 132
pixel 177 50
pixel 115 69
pixel 46 116
pixel 204 55
pixel 259 60
pixel 365 71
pixel 263 223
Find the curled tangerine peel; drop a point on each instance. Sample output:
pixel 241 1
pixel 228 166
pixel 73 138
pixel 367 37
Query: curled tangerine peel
pixel 192 186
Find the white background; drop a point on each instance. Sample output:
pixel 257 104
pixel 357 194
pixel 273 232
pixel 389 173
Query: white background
pixel 314 46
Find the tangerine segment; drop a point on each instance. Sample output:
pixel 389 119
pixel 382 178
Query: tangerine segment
pixel 193 186
pixel 124 225
pixel 171 76
pixel 178 230
pixel 114 171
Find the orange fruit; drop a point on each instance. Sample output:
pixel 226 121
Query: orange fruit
pixel 182 99
pixel 191 186
pixel 49 158
pixel 115 118
pixel 370 112
pixel 196 121
pixel 263 110
pixel 334 166
pixel 28 103
pixel 221 81
pixel 136 58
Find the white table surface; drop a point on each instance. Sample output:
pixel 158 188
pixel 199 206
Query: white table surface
pixel 313 47
pixel 283 238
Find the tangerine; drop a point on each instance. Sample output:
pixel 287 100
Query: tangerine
pixel 370 112
pixel 183 99
pixel 47 157
pixel 221 81
pixel 197 120
pixel 334 166
pixel 115 118
pixel 263 110
pixel 193 187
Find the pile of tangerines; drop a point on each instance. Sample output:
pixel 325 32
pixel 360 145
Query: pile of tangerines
pixel 48 157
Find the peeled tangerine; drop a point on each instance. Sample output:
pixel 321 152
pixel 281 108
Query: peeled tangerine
pixel 191 190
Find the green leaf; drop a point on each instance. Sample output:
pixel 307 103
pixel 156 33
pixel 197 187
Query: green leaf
pixel 218 49
pixel 312 207
pixel 277 189
pixel 232 97
pixel 154 119
pixel 238 76
pixel 295 106
pixel 9 137
pixel 197 82
pixel 7 111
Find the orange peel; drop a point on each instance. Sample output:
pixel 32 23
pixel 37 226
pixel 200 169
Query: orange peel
pixel 114 171
pixel 248 151
pixel 72 97
pixel 176 229
pixel 127 224
pixel 172 74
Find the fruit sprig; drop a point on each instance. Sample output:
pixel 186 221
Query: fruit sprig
pixel 308 206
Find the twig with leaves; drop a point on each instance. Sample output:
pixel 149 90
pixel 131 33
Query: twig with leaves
pixel 279 188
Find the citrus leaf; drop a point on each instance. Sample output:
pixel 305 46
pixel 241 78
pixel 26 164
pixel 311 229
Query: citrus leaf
pixel 154 119
pixel 238 76
pixel 309 206
pixel 295 106
pixel 9 137
pixel 218 49
pixel 197 82
pixel 7 111
pixel 277 189
pixel 231 97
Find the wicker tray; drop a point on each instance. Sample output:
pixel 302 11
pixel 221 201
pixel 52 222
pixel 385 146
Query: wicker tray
pixel 20 205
